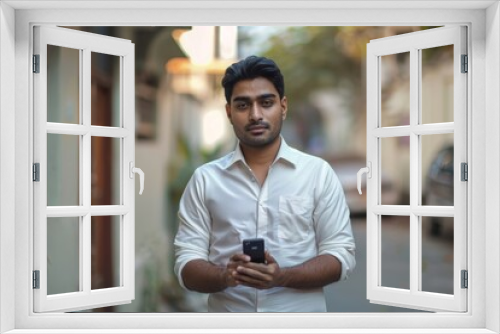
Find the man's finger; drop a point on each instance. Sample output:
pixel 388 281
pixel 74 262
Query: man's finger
pixel 243 270
pixel 240 258
pixel 259 275
pixel 230 280
pixel 255 266
pixel 269 258
pixel 251 280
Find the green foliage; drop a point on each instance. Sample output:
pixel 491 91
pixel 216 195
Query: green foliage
pixel 313 58
pixel 150 300
pixel 183 166
pixel 321 57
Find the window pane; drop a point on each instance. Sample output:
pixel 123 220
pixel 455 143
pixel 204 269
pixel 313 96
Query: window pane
pixel 106 245
pixel 63 85
pixel 63 165
pixel 63 254
pixel 437 254
pixel 395 170
pixel 395 248
pixel 105 89
pixel 105 171
pixel 437 170
pixel 437 84
pixel 395 85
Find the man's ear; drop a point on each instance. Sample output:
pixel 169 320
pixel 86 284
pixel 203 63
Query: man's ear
pixel 284 107
pixel 228 112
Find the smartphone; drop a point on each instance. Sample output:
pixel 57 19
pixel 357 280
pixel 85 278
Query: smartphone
pixel 255 249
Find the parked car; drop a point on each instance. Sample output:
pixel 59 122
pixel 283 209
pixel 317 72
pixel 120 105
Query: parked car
pixel 346 169
pixel 438 190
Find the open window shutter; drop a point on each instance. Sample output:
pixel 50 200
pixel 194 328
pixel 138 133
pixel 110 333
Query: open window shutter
pixel 410 133
pixel 71 149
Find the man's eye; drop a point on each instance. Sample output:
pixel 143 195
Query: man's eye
pixel 241 105
pixel 267 103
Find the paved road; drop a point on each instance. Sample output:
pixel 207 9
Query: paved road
pixel 437 267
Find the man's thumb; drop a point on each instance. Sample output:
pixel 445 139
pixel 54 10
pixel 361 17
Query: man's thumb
pixel 270 258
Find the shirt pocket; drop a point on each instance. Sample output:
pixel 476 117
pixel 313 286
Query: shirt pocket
pixel 295 217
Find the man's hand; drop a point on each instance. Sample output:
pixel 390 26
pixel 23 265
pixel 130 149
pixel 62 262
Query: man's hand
pixel 234 262
pixel 257 275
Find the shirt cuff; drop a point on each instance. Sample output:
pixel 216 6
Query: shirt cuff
pixel 184 254
pixel 346 259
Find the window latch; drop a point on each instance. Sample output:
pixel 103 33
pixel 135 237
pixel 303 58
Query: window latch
pixel 368 171
pixel 139 171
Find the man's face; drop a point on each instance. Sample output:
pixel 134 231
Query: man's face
pixel 256 112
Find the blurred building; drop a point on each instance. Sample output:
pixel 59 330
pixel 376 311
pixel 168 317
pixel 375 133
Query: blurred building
pixel 190 123
pixel 180 123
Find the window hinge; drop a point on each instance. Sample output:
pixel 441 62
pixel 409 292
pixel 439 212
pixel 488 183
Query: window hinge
pixel 465 64
pixel 36 279
pixel 36 172
pixel 465 279
pixel 464 171
pixel 36 63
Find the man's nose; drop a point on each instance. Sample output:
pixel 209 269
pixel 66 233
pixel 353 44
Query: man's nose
pixel 255 112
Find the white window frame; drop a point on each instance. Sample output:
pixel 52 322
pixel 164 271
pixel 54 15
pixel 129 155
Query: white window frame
pixel 483 20
pixel 413 44
pixel 85 297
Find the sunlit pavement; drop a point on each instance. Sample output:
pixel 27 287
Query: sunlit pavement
pixel 437 267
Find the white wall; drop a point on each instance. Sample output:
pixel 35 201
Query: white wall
pixel 22 203
pixel 7 160
pixel 492 162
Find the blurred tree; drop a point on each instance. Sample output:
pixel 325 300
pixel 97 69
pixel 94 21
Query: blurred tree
pixel 318 57
pixel 325 58
pixel 313 58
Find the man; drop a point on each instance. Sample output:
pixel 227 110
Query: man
pixel 264 189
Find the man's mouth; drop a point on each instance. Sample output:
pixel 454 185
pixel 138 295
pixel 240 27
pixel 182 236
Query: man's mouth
pixel 256 129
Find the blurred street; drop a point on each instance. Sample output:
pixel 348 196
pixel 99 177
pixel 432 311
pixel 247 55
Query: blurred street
pixel 181 121
pixel 437 255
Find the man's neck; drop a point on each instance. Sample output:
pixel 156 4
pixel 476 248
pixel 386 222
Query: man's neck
pixel 257 157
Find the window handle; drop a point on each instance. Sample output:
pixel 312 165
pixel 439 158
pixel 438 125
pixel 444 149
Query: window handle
pixel 138 171
pixel 367 170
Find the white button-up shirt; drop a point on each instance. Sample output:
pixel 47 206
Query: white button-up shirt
pixel 300 211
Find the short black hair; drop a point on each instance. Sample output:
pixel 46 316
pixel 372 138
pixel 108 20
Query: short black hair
pixel 250 68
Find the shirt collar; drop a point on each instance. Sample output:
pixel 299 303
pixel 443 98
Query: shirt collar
pixel 285 153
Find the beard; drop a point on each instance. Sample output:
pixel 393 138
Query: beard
pixel 269 135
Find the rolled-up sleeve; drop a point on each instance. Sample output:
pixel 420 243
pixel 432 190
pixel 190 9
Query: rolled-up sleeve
pixel 192 238
pixel 331 222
